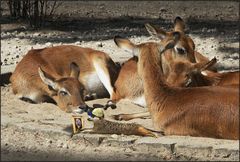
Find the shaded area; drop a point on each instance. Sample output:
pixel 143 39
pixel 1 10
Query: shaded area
pixel 4 78
pixel 92 29
pixel 13 154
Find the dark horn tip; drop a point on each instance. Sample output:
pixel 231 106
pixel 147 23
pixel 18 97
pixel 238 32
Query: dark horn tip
pixel 178 18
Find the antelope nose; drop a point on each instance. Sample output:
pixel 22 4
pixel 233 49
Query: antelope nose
pixel 84 107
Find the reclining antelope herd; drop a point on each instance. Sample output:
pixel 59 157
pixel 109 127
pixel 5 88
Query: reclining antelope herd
pixel 181 89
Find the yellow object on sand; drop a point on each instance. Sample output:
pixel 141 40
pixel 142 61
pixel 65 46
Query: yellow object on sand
pixel 98 112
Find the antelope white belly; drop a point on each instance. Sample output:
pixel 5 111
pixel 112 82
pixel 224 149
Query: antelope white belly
pixel 94 85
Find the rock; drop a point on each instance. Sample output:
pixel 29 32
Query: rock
pixel 204 29
pixel 21 34
pixel 65 146
pixel 99 44
pixel 48 44
pixel 115 136
pixel 49 141
pixel 60 145
pixel 36 34
pixel 77 43
pixel 163 10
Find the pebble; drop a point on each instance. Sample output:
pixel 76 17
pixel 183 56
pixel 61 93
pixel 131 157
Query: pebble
pixel 49 141
pixel 99 44
pixel 115 136
pixel 77 43
pixel 21 34
pixel 48 44
pixel 36 34
pixel 60 145
pixel 65 146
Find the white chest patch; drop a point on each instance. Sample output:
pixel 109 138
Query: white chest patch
pixel 140 101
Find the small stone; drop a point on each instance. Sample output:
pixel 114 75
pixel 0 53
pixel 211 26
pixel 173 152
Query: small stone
pixel 49 44
pixel 21 34
pixel 209 30
pixel 65 146
pixel 99 44
pixel 49 141
pixel 163 10
pixel 36 34
pixel 115 136
pixel 77 43
pixel 204 29
pixel 60 145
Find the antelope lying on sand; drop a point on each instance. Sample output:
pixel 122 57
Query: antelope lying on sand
pixel 210 111
pixel 46 73
pixel 129 84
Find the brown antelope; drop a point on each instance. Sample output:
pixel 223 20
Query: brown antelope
pixel 129 84
pixel 183 47
pixel 46 73
pixel 210 111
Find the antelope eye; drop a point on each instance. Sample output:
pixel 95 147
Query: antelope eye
pixel 181 51
pixel 63 93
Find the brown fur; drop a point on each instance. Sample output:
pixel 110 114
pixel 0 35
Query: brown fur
pixel 203 111
pixel 225 78
pixel 209 111
pixel 128 84
pixel 182 71
pixel 55 62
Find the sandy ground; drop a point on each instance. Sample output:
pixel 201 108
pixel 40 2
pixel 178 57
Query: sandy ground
pixel 212 25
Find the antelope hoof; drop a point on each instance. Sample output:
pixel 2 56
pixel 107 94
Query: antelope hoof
pixel 110 104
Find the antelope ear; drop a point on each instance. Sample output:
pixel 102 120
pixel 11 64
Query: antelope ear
pixel 205 66
pixel 155 32
pixel 75 70
pixel 126 44
pixel 47 79
pixel 179 24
